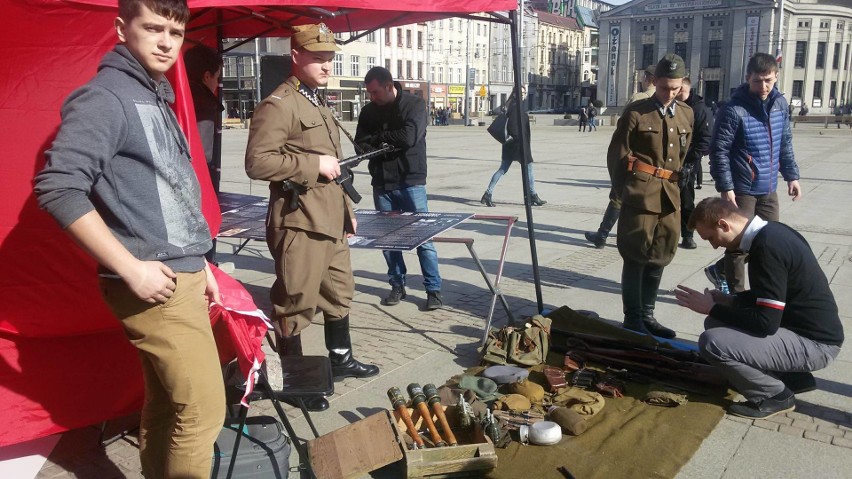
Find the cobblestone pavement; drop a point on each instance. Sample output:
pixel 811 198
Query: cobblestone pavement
pixel 430 346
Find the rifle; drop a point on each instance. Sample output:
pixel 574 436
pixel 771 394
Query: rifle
pixel 651 363
pixel 344 179
pixel 347 164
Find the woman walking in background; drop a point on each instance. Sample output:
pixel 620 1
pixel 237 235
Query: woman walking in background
pixel 512 152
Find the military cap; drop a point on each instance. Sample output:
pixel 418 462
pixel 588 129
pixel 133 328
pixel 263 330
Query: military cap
pixel 670 66
pixel 314 38
pixel 650 69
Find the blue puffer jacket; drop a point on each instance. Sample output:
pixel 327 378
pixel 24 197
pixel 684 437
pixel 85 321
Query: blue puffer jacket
pixel 750 146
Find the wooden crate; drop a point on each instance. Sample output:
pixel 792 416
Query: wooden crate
pixel 373 442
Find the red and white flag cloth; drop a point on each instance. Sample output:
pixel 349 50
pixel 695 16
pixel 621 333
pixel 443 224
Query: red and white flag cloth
pixel 239 328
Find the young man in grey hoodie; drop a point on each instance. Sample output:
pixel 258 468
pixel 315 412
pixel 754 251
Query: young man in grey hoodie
pixel 119 180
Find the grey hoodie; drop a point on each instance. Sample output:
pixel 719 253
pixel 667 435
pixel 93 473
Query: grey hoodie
pixel 120 151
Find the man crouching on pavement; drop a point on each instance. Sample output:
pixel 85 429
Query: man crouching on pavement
pixel 765 340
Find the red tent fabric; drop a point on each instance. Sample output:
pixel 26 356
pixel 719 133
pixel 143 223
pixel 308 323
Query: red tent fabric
pixel 64 361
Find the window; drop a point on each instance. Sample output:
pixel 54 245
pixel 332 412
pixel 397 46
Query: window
pixel 247 66
pixel 371 37
pixel 419 70
pixel 680 50
pixel 714 57
pixel 387 36
pixel 799 59
pixel 338 64
pixel 408 38
pixel 399 37
pixel 432 74
pixel 452 77
pixel 420 40
pixel 408 70
pixel 441 75
pixel 832 90
pixel 820 55
pixel 839 26
pixel 648 55
pixel 805 23
pixel 459 74
pixel 399 68
pixel 818 89
pixel 371 62
pixel 451 24
pixel 798 86
pixel 387 64
pixel 460 27
pixel 355 65
pixel 824 23
pixel 846 59
pixel 835 62
pixel 229 67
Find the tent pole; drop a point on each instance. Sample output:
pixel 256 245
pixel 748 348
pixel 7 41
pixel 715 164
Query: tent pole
pixel 520 112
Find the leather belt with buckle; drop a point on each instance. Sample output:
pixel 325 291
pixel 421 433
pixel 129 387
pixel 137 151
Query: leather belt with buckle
pixel 633 164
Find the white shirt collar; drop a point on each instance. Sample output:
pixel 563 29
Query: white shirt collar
pixel 752 229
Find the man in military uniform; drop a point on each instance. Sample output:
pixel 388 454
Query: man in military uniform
pixel 294 144
pixel 613 208
pixel 645 155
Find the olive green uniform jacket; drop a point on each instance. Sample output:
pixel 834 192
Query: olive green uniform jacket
pixel 288 133
pixel 313 267
pixel 649 224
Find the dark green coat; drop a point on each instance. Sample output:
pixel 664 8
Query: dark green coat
pixel 649 225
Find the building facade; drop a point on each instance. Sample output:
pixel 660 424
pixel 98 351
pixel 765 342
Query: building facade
pixel 458 64
pixel 555 82
pixel 717 37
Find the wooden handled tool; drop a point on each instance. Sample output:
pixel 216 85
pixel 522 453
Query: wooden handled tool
pixel 398 401
pixel 418 400
pixel 434 400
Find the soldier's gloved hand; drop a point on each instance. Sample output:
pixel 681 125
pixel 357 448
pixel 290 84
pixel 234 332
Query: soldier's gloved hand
pixel 685 174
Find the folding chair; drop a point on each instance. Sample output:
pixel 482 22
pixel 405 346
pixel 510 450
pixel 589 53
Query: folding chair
pixel 304 377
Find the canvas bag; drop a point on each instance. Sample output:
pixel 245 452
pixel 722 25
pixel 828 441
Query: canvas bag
pixel 527 346
pixel 499 128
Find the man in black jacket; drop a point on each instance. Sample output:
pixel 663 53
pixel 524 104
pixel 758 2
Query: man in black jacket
pixel 766 340
pixel 399 118
pixel 701 133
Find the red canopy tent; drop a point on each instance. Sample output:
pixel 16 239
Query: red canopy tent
pixel 64 361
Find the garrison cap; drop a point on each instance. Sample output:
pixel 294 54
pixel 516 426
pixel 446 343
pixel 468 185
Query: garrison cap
pixel 314 38
pixel 670 66
pixel 650 69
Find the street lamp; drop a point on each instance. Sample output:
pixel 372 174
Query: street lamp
pixel 467 78
pixel 428 68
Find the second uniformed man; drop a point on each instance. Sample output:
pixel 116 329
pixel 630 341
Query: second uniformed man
pixel 647 151
pixel 294 144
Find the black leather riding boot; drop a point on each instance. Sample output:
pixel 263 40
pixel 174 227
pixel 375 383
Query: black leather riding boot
pixel 292 346
pixel 650 284
pixel 609 218
pixel 339 345
pixel 631 296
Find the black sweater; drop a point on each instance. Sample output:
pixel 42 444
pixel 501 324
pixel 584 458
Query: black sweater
pixel 403 125
pixel 788 290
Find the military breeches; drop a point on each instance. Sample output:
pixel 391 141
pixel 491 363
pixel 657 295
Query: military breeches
pixel 313 271
pixel 648 238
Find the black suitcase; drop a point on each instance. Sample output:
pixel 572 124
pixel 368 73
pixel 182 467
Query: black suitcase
pixel 264 450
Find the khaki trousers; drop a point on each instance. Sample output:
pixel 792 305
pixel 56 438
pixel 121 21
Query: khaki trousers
pixel 184 405
pixel 312 271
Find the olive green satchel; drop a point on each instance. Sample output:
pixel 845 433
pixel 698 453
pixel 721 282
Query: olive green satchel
pixel 527 346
